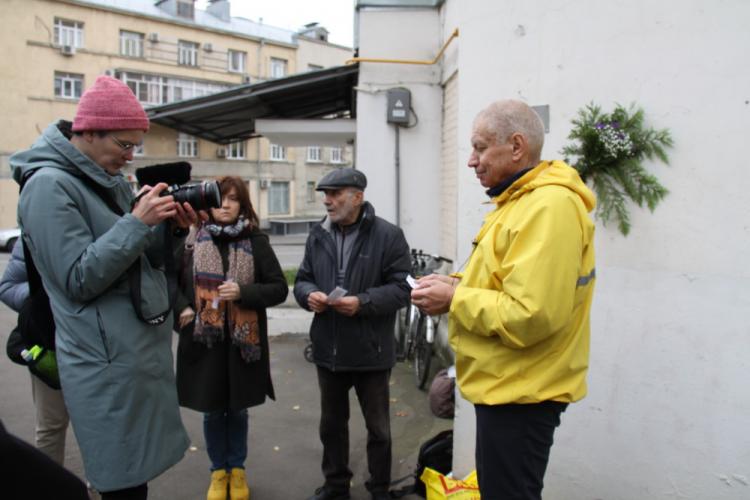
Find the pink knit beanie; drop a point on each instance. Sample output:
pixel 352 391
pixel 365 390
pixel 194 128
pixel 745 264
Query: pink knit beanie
pixel 109 105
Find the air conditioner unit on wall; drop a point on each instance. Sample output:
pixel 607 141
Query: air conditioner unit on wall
pixel 153 37
pixel 264 183
pixel 208 47
pixel 221 152
pixel 67 50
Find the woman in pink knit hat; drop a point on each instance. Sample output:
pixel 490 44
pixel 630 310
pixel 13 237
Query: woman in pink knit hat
pixel 113 352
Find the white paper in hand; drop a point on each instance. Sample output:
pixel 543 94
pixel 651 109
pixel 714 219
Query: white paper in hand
pixel 412 282
pixel 336 294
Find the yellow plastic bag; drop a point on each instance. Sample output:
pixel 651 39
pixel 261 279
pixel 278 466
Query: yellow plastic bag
pixel 440 487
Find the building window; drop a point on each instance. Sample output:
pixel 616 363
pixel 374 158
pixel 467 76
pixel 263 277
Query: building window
pixel 337 155
pixel 278 198
pixel 185 9
pixel 314 67
pixel 310 192
pixel 278 67
pixel 313 154
pixel 187 53
pixel 187 146
pixel 68 33
pixel 237 61
pixel 236 151
pixel 153 89
pixel 278 153
pixel 68 85
pixel 131 44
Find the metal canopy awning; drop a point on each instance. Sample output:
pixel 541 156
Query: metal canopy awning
pixel 230 116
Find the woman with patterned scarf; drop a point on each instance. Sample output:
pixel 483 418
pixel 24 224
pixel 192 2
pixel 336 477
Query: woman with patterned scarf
pixel 230 276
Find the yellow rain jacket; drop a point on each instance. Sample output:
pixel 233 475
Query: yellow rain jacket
pixel 519 319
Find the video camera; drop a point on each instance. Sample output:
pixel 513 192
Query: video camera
pixel 200 196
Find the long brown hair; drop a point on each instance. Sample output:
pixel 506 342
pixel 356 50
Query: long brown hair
pixel 226 184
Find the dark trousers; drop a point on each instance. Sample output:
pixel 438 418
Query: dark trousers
pixel 134 493
pixel 226 438
pixel 373 395
pixel 512 449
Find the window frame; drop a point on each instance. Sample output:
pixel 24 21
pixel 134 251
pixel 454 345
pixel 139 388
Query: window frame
pixel 314 158
pixel 276 152
pixel 136 39
pixel 70 79
pixel 311 198
pixel 185 9
pixel 154 89
pixel 236 150
pixel 187 53
pixel 277 62
pixel 230 61
pixel 273 192
pixel 187 145
pixel 68 30
pixel 340 155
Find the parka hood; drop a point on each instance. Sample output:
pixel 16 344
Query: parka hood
pixel 53 149
pixel 549 173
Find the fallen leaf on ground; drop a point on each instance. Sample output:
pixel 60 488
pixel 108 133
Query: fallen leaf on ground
pixel 402 414
pixel 295 407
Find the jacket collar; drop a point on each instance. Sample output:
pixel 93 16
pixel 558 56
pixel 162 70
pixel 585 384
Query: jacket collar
pixel 366 217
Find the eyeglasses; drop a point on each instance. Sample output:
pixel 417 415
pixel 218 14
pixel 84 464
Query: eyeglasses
pixel 126 146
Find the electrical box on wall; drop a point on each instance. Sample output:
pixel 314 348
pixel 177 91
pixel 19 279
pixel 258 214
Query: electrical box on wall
pixel 399 102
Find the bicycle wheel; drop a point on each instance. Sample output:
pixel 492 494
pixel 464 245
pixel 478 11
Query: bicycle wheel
pixel 401 332
pixel 422 352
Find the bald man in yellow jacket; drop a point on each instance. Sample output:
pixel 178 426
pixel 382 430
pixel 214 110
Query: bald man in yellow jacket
pixel 519 311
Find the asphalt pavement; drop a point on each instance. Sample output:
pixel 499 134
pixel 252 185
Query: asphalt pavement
pixel 284 451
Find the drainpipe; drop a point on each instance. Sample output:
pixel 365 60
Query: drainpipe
pixel 397 160
pixel 257 142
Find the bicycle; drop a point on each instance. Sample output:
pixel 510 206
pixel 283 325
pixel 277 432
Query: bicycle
pixel 415 330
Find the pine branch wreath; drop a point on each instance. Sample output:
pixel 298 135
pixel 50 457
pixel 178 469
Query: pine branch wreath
pixel 609 150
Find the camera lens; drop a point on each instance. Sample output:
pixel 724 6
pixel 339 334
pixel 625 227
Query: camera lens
pixel 200 196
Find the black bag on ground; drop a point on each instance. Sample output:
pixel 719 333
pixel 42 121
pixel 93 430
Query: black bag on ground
pixel 435 453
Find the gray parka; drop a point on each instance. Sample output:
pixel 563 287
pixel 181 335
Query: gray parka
pixel 116 371
pixel 14 285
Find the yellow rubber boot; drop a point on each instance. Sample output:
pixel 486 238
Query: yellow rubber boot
pixel 218 488
pixel 238 489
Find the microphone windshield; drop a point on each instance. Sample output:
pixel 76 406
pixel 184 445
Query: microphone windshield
pixel 171 173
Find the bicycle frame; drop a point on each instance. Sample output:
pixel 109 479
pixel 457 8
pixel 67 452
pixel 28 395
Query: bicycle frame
pixel 415 329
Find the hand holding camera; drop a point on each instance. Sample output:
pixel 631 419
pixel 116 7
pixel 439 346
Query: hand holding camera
pixel 184 203
pixel 152 208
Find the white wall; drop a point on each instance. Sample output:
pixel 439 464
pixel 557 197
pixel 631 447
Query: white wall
pixel 311 51
pixel 401 34
pixel 668 406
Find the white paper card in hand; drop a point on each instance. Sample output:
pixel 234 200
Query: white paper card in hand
pixel 336 294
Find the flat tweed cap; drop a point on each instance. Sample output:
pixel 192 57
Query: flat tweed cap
pixel 341 178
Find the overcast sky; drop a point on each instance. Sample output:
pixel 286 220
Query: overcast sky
pixel 337 16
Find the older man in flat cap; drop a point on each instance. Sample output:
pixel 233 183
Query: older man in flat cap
pixel 353 276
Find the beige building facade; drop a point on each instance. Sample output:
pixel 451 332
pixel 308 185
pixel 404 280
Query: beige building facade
pixel 166 51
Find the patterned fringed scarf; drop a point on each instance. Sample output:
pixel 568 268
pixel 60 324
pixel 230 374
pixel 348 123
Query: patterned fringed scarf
pixel 212 312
